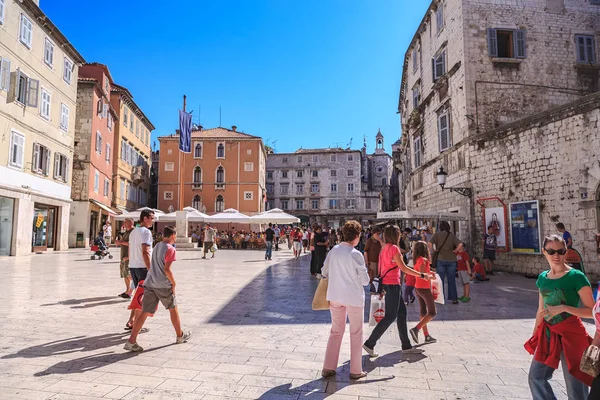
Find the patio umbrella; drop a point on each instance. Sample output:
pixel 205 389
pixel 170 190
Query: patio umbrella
pixel 275 216
pixel 135 215
pixel 192 215
pixel 228 216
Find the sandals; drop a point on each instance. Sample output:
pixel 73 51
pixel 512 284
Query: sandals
pixel 125 295
pixel 358 376
pixel 326 373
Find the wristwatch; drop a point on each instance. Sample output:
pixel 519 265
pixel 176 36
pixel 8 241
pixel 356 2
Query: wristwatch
pixel 422 275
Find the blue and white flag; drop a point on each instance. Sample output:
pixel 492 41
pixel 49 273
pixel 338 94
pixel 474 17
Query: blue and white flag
pixel 185 132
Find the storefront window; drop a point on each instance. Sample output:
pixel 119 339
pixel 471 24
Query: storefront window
pixel 6 224
pixel 44 221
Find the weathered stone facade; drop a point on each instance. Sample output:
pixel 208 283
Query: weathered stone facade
pixel 474 67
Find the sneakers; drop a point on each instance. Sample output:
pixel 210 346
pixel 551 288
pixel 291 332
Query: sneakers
pixel 412 350
pixel 133 347
pixel 370 351
pixel 430 339
pixel 414 334
pixel 464 299
pixel 184 338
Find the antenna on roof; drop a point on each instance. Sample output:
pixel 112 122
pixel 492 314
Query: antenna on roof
pixel 349 145
pixel 273 146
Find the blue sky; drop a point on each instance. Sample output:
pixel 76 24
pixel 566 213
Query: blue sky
pixel 305 73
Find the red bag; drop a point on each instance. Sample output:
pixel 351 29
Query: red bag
pixel 137 298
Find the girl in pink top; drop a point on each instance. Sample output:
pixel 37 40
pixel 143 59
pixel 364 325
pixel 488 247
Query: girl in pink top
pixel 390 265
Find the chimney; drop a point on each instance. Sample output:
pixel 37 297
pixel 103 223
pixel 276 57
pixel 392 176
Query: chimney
pixel 200 127
pixel 234 128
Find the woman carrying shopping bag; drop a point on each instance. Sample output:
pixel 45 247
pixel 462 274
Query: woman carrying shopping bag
pixel 390 265
pixel 346 272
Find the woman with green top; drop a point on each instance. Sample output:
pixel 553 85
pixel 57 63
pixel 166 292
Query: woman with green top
pixel 565 296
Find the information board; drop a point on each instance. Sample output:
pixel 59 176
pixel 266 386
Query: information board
pixel 525 227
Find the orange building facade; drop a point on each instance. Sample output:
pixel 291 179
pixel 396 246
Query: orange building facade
pixel 226 169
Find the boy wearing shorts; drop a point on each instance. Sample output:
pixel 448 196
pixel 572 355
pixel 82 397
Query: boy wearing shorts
pixel 464 275
pixel 159 285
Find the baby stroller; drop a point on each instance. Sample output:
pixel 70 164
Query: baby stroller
pixel 100 249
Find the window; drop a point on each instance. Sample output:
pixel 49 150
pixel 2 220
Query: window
pixel 350 157
pixel 248 166
pixel 2 5
pixel 334 187
pixel 285 205
pixel 269 174
pixel 284 187
pixel 350 203
pixel 438 65
pixel 506 43
pixel 415 60
pixel 96 181
pixel 350 172
pixel 219 204
pixel 249 152
pixel 384 181
pixel 107 155
pixel 124 149
pixel 314 204
pixel 248 195
pixel 368 204
pixel 198 150
pixel 106 187
pixel 299 204
pixel 334 204
pixel 169 166
pixel 98 143
pixel 131 122
pixel 197 177
pixel 314 188
pixel 586 47
pixel 416 96
pixel 197 202
pixel 26 89
pixel 125 115
pixel 299 159
pixel 41 159
pixel 596 2
pixel 314 173
pixel 333 173
pixel 137 128
pixel 68 70
pixel 4 73
pixel 284 160
pixel 61 167
pixel 315 158
pixel 270 188
pixel 168 195
pixel 332 158
pixel 444 131
pixel 64 117
pixel 299 188
pixel 45 104
pixel 284 174
pixel 351 187
pixel 220 178
pixel 417 151
pixel 109 122
pixel 122 192
pixel 439 17
pixel 48 52
pixel 299 173
pixel 220 151
pixel 26 32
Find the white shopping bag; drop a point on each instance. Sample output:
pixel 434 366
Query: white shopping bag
pixel 437 288
pixel 377 310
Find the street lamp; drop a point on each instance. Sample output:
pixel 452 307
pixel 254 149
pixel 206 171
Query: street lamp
pixel 441 177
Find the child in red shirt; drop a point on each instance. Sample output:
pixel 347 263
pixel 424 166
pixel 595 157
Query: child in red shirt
pixel 464 275
pixel 424 294
pixel 478 271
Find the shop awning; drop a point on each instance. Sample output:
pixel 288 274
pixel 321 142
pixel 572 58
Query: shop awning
pixel 109 210
pixel 421 215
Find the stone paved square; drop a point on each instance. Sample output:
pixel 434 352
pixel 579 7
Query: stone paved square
pixel 254 336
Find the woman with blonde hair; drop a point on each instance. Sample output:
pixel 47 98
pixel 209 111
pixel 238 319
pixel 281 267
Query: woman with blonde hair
pixel 347 276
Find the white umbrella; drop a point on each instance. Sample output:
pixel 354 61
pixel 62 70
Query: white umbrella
pixel 135 215
pixel 229 215
pixel 192 215
pixel 275 216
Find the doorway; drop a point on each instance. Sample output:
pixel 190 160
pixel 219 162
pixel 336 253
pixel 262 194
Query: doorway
pixel 44 227
pixel 6 224
pixel 93 225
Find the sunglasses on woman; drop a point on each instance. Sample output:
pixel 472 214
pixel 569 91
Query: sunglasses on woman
pixel 552 252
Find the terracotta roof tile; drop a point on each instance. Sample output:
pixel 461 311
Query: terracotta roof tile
pixel 218 133
pixel 82 79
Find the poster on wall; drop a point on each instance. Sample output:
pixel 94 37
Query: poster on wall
pixel 495 218
pixel 525 227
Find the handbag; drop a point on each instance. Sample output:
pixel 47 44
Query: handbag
pixel 320 299
pixel 376 287
pixel 437 252
pixel 590 361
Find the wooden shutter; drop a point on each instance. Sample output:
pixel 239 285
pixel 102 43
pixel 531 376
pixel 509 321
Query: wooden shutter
pixel 443 55
pixel 56 165
pixel 433 78
pixel 492 42
pixel 33 91
pixel 14 79
pixel 36 157
pixel 47 162
pixel 4 74
pixel 519 39
pixel 66 170
pixel 589 43
pixel 104 110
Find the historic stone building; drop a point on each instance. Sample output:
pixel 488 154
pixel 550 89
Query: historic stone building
pixel 332 185
pixel 472 69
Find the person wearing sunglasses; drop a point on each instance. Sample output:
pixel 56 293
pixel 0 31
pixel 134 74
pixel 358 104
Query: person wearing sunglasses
pixel 565 296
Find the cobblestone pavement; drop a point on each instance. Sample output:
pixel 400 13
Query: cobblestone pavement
pixel 254 336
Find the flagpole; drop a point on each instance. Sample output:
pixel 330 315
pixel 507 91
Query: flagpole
pixel 180 164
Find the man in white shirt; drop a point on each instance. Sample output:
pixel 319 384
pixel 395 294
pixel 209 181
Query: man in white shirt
pixel 140 254
pixel 107 228
pixel 209 240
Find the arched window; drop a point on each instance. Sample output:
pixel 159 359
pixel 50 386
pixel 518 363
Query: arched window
pixel 197 178
pixel 220 177
pixel 220 151
pixel 198 150
pixel 219 204
pixel 197 202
